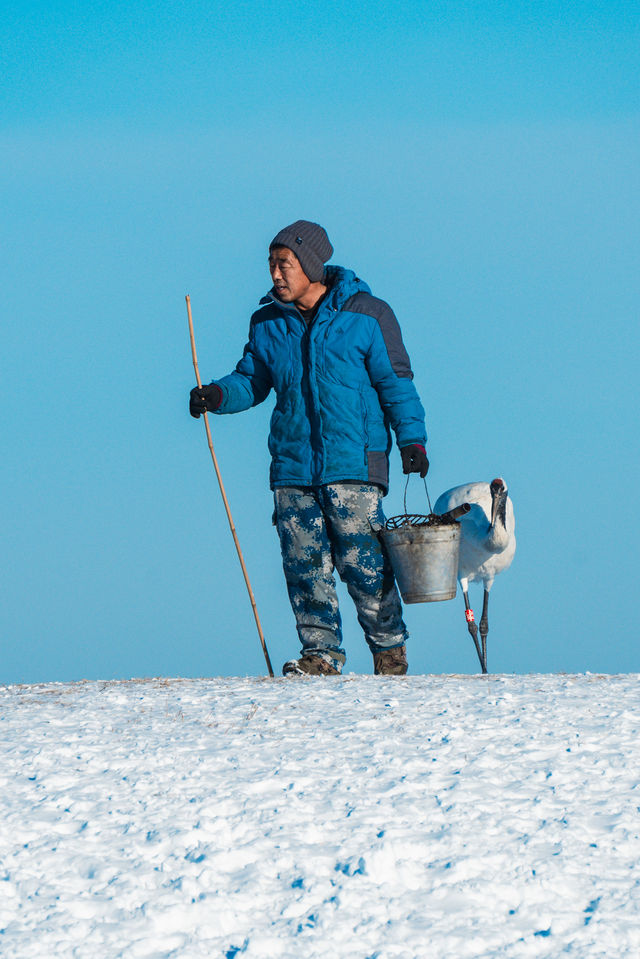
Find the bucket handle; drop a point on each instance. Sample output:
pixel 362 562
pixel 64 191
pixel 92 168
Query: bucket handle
pixel 406 487
pixel 451 515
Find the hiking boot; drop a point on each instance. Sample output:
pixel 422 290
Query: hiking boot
pixel 309 665
pixel 390 662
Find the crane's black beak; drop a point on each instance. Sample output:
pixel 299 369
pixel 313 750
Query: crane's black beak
pixel 498 501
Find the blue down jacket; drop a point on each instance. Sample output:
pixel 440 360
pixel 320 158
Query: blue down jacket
pixel 340 384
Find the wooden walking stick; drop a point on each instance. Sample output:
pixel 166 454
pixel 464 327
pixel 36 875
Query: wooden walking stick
pixel 224 496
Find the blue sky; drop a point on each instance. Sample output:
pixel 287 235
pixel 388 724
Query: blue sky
pixel 476 163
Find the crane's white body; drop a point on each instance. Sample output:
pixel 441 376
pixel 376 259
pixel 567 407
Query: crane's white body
pixel 485 549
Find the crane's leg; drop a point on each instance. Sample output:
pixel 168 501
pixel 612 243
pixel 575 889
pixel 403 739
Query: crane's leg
pixel 473 629
pixel 484 628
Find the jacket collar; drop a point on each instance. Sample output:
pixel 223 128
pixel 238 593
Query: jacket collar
pixel 341 284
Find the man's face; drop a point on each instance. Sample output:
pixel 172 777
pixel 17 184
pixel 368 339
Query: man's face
pixel 289 279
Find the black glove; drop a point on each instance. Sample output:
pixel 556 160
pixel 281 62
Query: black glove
pixel 205 399
pixel 414 459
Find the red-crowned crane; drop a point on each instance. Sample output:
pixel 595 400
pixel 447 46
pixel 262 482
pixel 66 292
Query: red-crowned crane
pixel 487 544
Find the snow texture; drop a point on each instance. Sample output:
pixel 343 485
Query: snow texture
pixel 355 816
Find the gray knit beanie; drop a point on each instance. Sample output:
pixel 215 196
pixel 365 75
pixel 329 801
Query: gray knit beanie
pixel 310 244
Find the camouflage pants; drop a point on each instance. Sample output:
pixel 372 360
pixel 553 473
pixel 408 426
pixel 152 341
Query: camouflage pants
pixel 323 528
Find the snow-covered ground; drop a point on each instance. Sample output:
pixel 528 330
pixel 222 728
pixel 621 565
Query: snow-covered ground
pixel 360 817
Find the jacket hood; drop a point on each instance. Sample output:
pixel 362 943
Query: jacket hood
pixel 341 284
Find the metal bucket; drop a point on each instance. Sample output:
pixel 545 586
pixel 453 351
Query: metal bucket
pixel 424 560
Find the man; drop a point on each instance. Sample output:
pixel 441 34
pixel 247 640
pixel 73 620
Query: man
pixel 334 355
